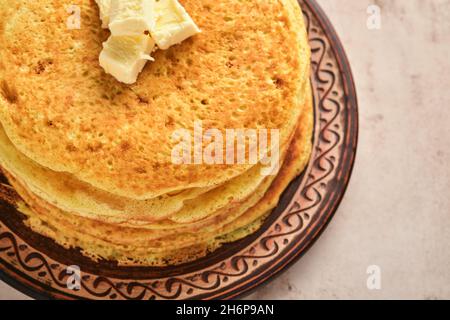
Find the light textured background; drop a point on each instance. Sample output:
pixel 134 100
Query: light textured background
pixel 396 213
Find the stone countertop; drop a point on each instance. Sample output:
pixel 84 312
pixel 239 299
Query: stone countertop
pixel 396 213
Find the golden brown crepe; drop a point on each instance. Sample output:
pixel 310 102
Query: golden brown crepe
pixel 92 157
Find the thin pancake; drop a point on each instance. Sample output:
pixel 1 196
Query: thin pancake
pixel 143 249
pixel 60 109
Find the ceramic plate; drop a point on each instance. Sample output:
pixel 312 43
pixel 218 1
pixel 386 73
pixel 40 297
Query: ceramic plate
pixel 38 267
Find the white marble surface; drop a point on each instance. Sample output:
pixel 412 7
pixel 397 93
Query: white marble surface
pixel 396 213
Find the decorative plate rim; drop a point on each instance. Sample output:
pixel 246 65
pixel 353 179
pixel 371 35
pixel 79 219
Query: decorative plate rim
pixel 294 249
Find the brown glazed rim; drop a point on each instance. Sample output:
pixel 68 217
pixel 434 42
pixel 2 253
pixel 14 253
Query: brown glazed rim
pixel 37 266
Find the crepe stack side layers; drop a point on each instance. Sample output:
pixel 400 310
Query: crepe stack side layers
pixel 131 246
pixel 92 157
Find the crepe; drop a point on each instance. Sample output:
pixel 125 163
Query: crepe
pixel 92 158
pixel 131 246
pixel 238 73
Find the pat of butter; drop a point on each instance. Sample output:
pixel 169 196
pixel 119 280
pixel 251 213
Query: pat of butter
pixel 131 17
pixel 125 57
pixel 104 7
pixel 173 24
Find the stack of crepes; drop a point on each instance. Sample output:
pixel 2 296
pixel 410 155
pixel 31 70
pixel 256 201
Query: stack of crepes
pixel 92 158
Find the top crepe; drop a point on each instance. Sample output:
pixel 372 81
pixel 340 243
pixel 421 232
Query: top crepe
pixel 57 106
